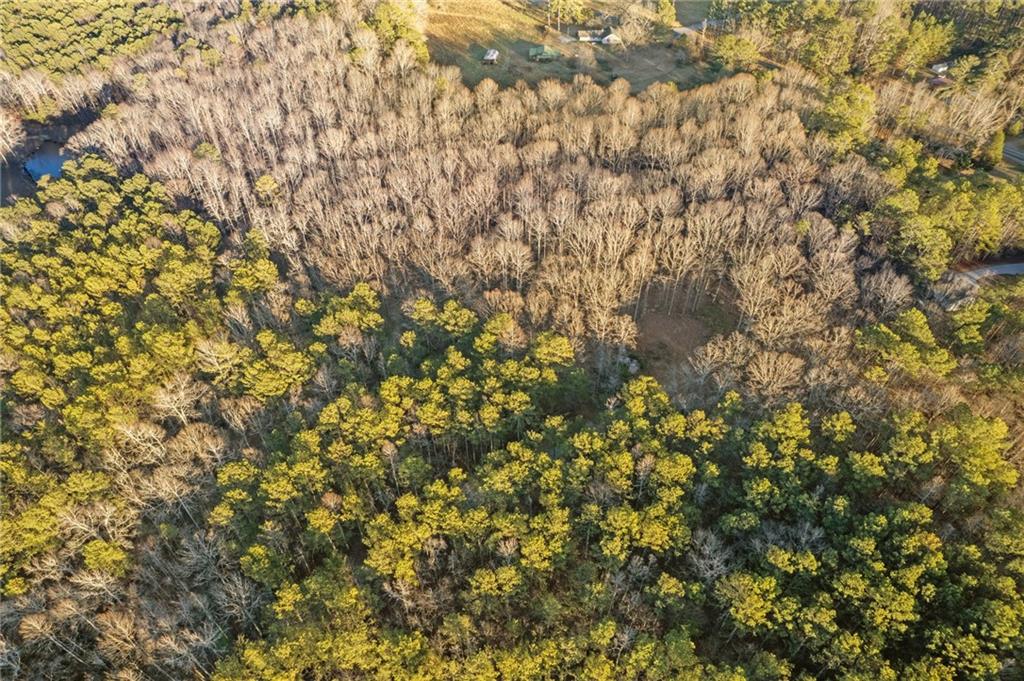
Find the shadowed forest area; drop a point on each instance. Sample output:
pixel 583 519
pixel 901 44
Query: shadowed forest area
pixel 318 363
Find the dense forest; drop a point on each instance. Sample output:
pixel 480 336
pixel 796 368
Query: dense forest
pixel 319 364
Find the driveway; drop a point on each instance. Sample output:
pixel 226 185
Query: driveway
pixel 956 289
pixel 1013 151
pixel 976 274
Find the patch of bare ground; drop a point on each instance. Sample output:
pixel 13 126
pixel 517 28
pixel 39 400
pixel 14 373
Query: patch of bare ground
pixel 670 331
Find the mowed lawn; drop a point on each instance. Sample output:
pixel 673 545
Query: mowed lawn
pixel 690 12
pixel 460 32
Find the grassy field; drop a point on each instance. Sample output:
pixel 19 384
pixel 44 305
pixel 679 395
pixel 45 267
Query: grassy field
pixel 459 32
pixel 690 12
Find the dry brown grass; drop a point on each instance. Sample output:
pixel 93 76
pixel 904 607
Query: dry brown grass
pixel 459 32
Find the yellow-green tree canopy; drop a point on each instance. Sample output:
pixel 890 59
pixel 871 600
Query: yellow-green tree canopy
pixel 472 514
pixel 70 36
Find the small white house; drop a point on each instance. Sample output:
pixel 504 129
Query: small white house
pixel 940 68
pixel 604 36
pixel 491 57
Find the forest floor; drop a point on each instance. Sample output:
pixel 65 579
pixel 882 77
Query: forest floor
pixel 665 341
pixel 460 32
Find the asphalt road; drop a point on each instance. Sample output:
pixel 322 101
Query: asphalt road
pixel 976 274
pixel 1013 155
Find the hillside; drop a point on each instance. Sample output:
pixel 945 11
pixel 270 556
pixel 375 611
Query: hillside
pixel 334 353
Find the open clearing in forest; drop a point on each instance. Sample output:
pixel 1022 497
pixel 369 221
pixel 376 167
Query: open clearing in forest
pixel 665 341
pixel 690 12
pixel 459 32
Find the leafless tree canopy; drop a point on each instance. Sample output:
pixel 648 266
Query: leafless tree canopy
pixel 575 200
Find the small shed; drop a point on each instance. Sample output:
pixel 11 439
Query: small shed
pixel 491 57
pixel 712 25
pixel 605 36
pixel 940 68
pixel 543 53
pixel 590 36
